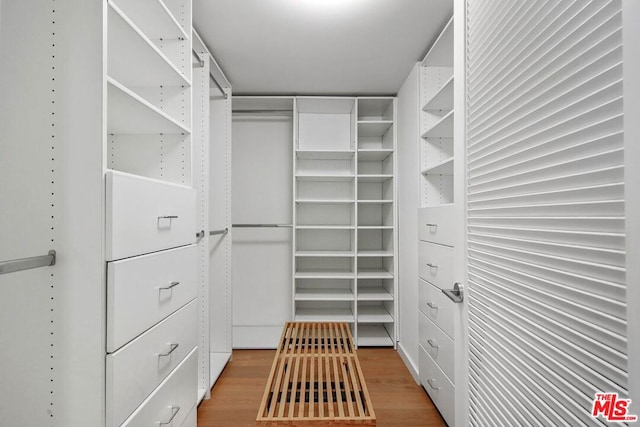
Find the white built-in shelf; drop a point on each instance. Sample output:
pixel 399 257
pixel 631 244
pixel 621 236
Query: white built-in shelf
pixel 153 17
pixel 324 155
pixel 374 178
pixel 436 205
pixel 337 294
pixel 326 201
pixel 128 46
pixel 374 273
pixel 325 254
pixel 375 227
pixel 325 177
pixel 375 202
pixel 373 314
pixel 444 167
pixel 375 253
pixel 128 113
pixel 440 53
pixel 373 128
pixel 373 336
pixel 374 155
pixel 373 294
pixel 442 100
pixel 324 274
pixel 217 362
pixel 329 314
pixel 325 227
pixel 443 128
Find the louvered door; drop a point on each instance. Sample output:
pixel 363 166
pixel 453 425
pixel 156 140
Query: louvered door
pixel 545 210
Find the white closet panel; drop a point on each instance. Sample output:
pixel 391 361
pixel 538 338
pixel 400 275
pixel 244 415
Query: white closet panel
pixel 545 206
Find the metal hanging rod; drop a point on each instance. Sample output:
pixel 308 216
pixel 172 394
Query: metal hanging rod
pixel 262 225
pixel 200 64
pixel 200 234
pixel 28 263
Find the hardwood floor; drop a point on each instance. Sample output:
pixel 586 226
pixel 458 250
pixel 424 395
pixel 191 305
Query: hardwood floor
pixel 397 399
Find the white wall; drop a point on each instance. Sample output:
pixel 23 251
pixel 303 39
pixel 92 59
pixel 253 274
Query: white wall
pixel 408 204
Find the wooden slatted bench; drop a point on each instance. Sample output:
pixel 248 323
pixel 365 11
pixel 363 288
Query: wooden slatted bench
pixel 316 379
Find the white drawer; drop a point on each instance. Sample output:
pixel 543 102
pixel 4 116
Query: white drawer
pixel 439 346
pixel 136 299
pixel 440 389
pixel 436 306
pixel 192 418
pixel 135 370
pixel 437 224
pixel 435 264
pixel 146 215
pixel 175 397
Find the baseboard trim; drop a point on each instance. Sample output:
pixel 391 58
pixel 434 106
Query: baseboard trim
pixel 411 366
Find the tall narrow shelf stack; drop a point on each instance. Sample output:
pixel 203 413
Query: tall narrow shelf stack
pixel 151 360
pixel 344 215
pixel 436 224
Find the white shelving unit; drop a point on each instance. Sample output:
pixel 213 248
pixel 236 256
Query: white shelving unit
pixel 344 210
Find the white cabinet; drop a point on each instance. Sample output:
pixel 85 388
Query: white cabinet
pixel 344 209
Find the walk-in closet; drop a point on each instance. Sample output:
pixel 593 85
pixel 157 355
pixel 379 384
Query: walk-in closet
pixel 319 212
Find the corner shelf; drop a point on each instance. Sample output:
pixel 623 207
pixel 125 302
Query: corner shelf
pixel 444 167
pixel 128 45
pixel 128 113
pixel 443 128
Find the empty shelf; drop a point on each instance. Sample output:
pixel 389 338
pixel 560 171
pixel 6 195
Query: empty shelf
pixel 374 314
pixel 128 113
pixel 373 128
pixel 375 202
pixel 153 18
pixel 324 274
pixel 441 129
pixel 128 45
pixel 325 201
pixel 373 155
pixel 308 314
pixel 373 336
pixel 324 295
pixel 324 177
pixel 445 167
pixel 374 178
pixel 374 294
pixel 375 253
pixel 375 227
pixel 324 155
pixel 328 254
pixel 441 100
pixel 374 273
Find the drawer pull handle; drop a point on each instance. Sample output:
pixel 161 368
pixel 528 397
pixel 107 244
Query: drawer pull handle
pixel 456 295
pixel 432 305
pixel 172 348
pixel 432 265
pixel 431 383
pixel 432 225
pixel 171 286
pixel 432 343
pixel 169 217
pixel 174 412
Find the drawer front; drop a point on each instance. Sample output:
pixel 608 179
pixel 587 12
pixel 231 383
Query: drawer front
pixel 135 370
pixel 175 397
pixel 136 299
pixel 145 215
pixel 437 224
pixel 436 306
pixel 435 264
pixel 440 389
pixel 438 345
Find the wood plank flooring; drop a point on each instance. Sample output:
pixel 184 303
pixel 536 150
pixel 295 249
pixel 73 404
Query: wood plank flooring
pixel 397 399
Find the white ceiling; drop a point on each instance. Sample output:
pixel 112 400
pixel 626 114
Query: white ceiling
pixel 322 47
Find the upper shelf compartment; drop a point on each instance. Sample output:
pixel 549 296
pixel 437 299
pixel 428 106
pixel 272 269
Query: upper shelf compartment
pixel 440 54
pixel 134 59
pixel 375 109
pixel 325 124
